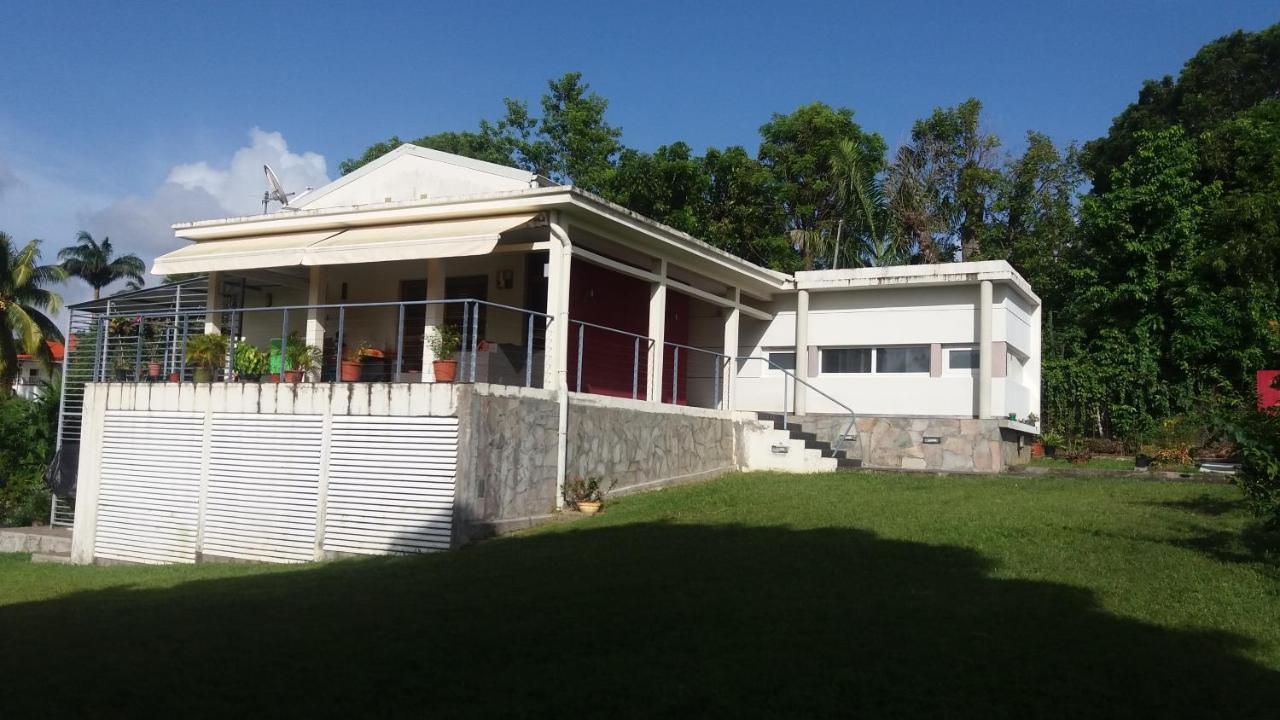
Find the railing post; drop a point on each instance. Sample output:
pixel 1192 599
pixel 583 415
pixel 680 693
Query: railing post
pixel 528 354
pixel 137 351
pixel 719 359
pixel 475 337
pixel 337 363
pixel 675 375
pixel 462 349
pixel 582 331
pixel 182 349
pixel 786 380
pixel 104 339
pixel 635 368
pixel 284 343
pixel 399 345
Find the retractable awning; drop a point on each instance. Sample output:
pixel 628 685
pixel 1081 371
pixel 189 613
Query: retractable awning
pixel 418 241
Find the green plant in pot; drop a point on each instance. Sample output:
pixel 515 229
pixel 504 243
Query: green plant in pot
pixel 300 359
pixel 586 494
pixel 250 362
pixel 1051 441
pixel 206 353
pixel 444 341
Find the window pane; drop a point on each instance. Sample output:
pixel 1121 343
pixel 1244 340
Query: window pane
pixel 903 359
pixel 962 359
pixel 784 360
pixel 846 360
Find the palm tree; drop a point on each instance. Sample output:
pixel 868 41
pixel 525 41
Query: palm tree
pixel 24 300
pixel 861 200
pixel 95 263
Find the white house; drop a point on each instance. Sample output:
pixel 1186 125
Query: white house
pixel 594 341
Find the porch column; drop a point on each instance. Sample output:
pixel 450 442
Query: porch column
pixel 730 371
pixel 212 304
pixel 802 351
pixel 317 292
pixel 984 349
pixel 555 365
pixel 434 315
pixel 657 333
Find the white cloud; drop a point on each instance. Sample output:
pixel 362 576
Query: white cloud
pixel 238 186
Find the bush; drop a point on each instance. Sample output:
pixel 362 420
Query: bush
pixel 1257 433
pixel 29 429
pixel 1104 446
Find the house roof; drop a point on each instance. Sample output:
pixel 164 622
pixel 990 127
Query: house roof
pixel 957 273
pixel 55 348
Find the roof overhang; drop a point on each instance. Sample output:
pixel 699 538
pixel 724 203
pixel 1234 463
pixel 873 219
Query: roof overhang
pixel 904 276
pixel 581 208
pixel 382 243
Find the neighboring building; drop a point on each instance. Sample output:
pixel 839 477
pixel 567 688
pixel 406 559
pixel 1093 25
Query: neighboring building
pixel 594 342
pixel 33 374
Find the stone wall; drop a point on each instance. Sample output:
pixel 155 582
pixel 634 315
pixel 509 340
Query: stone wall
pixel 964 444
pixel 642 445
pixel 507 451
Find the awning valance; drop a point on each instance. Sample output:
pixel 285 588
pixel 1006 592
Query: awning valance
pixel 418 241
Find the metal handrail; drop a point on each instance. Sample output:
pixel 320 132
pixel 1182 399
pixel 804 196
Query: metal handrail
pixel 675 375
pixel 635 353
pixel 852 415
pixel 321 306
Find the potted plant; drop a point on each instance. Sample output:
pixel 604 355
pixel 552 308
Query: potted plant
pixel 444 342
pixel 1051 441
pixel 206 353
pixel 300 359
pixel 585 494
pixel 153 366
pixel 250 362
pixel 352 362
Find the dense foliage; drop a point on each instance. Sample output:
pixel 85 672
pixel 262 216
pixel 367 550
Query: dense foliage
pixel 29 429
pixel 25 305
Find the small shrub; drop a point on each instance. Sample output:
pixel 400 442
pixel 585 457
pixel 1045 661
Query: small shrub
pixel 444 341
pixel 29 428
pixel 1104 446
pixel 250 362
pixel 1257 433
pixel 580 489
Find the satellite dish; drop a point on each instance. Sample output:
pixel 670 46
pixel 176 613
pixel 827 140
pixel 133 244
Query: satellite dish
pixel 275 191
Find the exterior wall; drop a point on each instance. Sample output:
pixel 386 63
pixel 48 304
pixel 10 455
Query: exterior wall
pixel 965 444
pixel 920 315
pixel 410 177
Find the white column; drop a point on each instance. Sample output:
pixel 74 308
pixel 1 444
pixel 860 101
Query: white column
pixel 1031 370
pixel 802 351
pixel 559 274
pixel 317 292
pixel 212 304
pixel 730 371
pixel 984 349
pixel 657 333
pixel 434 315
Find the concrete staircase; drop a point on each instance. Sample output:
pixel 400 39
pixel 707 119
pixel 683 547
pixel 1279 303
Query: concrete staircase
pixel 46 544
pixel 791 449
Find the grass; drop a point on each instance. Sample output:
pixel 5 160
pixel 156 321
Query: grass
pixel 753 595
pixel 1093 463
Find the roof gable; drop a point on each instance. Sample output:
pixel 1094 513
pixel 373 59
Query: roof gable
pixel 411 173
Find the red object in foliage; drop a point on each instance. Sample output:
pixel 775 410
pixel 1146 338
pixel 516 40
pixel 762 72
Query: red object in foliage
pixel 1268 393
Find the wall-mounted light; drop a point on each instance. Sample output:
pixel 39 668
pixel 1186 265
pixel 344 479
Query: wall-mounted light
pixel 344 291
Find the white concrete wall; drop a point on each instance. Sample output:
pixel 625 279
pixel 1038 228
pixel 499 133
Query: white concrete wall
pixel 878 317
pixel 408 177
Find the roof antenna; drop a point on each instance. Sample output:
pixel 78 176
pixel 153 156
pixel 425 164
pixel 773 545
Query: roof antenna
pixel 275 191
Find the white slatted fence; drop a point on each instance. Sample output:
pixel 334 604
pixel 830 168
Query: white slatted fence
pixel 148 502
pixel 391 483
pixel 264 473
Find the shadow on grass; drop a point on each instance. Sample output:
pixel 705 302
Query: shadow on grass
pixel 641 619
pixel 1252 545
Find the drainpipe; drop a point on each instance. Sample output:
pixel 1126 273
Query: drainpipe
pixel 561 259
pixel 984 349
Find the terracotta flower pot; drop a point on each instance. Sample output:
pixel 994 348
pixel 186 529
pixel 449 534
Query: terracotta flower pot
pixel 174 377
pixel 445 370
pixel 589 507
pixel 292 376
pixel 153 369
pixel 350 371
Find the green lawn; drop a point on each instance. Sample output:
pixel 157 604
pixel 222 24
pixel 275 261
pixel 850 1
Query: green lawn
pixel 753 595
pixel 1093 463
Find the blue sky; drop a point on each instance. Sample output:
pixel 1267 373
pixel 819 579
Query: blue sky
pixel 125 117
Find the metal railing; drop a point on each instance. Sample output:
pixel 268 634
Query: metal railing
pixel 786 386
pixel 152 346
pixel 717 360
pixel 636 357
pixel 62 511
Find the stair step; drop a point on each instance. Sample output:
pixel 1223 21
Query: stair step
pixel 848 463
pixel 51 558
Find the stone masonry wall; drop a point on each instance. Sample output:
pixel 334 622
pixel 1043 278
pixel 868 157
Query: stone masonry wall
pixel 967 444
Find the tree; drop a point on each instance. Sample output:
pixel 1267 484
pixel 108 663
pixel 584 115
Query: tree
pixel 97 264
pixel 24 301
pixel 574 143
pixel 670 185
pixel 1229 75
pixel 914 198
pixel 486 145
pixel 801 150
